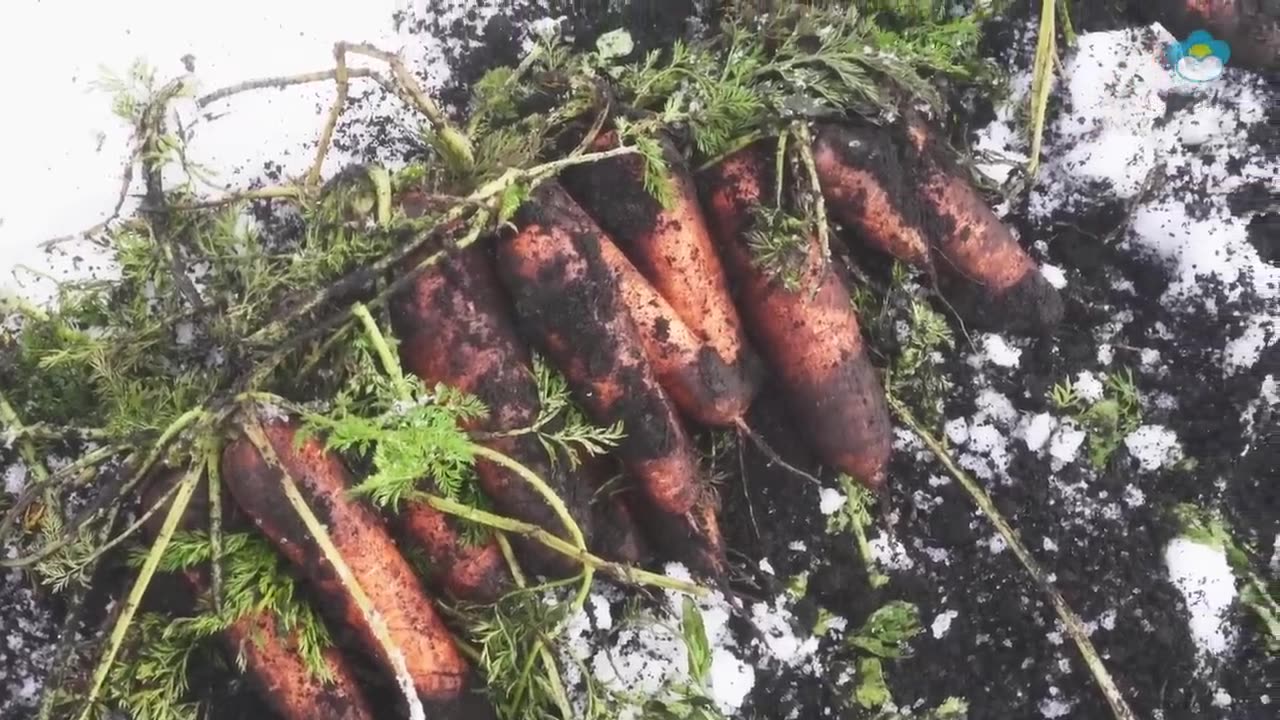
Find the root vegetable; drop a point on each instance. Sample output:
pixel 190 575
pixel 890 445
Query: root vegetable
pixel 865 187
pixel 438 671
pixel 571 303
pixel 475 573
pixel 810 335
pixel 673 250
pixel 903 196
pixel 695 376
pixel 270 657
pixel 456 330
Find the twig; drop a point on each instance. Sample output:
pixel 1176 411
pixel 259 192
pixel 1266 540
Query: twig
pixel 134 600
pixel 214 479
pixel 281 82
pixel 279 192
pixel 622 573
pixel 126 179
pixel 1070 621
pixel 454 141
pixel 103 499
pixel 763 446
pixel 801 130
pixel 1042 79
pixel 341 75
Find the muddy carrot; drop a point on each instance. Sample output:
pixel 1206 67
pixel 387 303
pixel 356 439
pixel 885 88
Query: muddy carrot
pixel 984 272
pixel 476 573
pixel 866 187
pixel 570 302
pixel 455 329
pixel 673 250
pixel 810 335
pixel 270 657
pixel 695 376
pixel 434 665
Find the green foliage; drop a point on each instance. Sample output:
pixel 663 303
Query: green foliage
pixel 915 375
pixel 255 582
pixel 779 245
pixel 151 682
pixel 872 691
pixel 509 635
pixel 408 442
pixel 886 633
pixel 1210 528
pixel 698 648
pixel 1108 420
pixel 561 426
pixel 854 517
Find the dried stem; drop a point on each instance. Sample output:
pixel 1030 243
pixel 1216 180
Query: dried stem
pixel 341 75
pixel 1070 620
pixel 283 81
pixel 139 589
pixel 377 624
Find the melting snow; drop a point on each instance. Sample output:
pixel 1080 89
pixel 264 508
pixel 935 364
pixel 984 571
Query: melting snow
pixel 1204 578
pixel 1153 446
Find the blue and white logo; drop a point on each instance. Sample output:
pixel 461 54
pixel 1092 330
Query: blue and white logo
pixel 1199 58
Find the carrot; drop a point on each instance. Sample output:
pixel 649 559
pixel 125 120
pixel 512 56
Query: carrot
pixel 569 300
pixel 809 336
pixel 618 535
pixel 672 248
pixel 690 370
pixel 476 573
pixel 864 185
pixel 270 657
pixel 438 671
pixel 1251 27
pixel 987 274
pixel 456 330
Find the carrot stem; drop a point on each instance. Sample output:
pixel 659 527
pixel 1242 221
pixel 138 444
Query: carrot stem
pixel 377 624
pixel 134 600
pixel 1070 620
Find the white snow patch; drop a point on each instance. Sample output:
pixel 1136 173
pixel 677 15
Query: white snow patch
pixel 1065 444
pixel 15 478
pixel 1037 429
pixel 1243 352
pixel 1054 275
pixel 888 552
pixel 1106 353
pixel 998 351
pixel 1203 576
pixel 994 406
pixel 957 430
pixel 1154 446
pixel 830 500
pixel 942 623
pixel 774 624
pixel 1088 386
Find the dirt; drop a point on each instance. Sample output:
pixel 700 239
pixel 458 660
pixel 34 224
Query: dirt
pixel 1003 651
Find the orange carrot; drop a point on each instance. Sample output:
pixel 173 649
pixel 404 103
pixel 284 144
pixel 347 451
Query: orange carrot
pixel 569 300
pixel 456 330
pixel 985 272
pixel 438 671
pixel 809 336
pixel 672 249
pixel 269 655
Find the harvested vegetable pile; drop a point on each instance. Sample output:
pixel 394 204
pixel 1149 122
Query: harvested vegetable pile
pixel 515 428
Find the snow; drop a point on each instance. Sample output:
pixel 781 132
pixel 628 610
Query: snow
pixel 15 478
pixel 1037 429
pixel 942 623
pixel 1203 576
pixel 1065 443
pixel 888 552
pixel 830 500
pixel 1088 386
pixel 998 351
pixel 774 622
pixel 1153 446
pixel 1054 275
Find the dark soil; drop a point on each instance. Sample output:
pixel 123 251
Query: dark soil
pixel 1003 651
